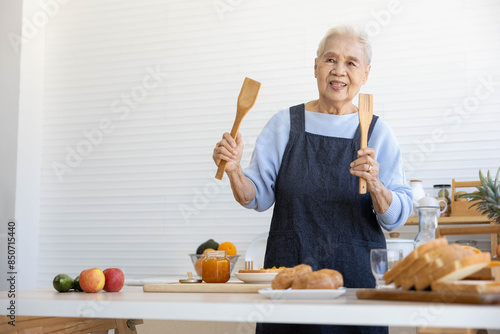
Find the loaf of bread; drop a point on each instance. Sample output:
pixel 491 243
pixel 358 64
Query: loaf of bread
pixel 454 252
pixel 403 265
pixel 302 277
pixel 406 280
pixel 285 279
pixel 434 262
pixel 300 280
pixel 324 279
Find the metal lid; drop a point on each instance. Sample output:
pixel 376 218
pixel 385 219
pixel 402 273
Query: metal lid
pixel 190 279
pixel 397 241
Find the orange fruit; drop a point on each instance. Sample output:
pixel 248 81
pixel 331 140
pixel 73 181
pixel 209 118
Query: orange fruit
pixel 208 249
pixel 229 247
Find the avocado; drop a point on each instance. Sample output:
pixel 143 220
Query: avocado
pixel 76 284
pixel 210 243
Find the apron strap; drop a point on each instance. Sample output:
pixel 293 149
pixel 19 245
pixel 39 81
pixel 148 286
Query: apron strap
pixel 297 119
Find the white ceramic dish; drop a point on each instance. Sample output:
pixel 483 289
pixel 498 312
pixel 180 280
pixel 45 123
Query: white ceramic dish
pixel 256 277
pixel 303 294
pixel 405 245
pixel 257 250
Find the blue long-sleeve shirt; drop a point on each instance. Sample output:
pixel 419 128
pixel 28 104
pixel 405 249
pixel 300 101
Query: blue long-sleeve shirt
pixel 271 143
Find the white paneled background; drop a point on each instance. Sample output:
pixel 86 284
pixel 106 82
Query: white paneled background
pixel 136 94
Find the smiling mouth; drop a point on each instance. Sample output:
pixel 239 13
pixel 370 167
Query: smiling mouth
pixel 337 84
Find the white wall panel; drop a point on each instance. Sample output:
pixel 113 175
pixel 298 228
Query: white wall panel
pixel 145 196
pixel 10 24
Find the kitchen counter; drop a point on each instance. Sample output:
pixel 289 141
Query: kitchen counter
pixel 452 220
pixel 133 303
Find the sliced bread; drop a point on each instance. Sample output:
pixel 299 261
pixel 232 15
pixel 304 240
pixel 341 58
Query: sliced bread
pixel 423 278
pixel 462 268
pixel 403 265
pixel 406 279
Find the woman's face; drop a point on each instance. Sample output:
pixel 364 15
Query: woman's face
pixel 341 70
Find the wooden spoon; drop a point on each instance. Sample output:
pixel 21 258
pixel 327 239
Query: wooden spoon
pixel 246 100
pixel 365 118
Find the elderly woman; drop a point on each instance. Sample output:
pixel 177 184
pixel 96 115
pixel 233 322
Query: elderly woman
pixel 307 161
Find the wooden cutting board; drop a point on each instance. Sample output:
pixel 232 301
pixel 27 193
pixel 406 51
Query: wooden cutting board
pixel 429 296
pixel 206 287
pixel 470 286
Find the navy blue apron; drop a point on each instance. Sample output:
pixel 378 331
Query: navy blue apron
pixel 319 217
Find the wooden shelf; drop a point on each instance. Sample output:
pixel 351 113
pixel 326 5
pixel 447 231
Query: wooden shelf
pixel 454 220
pixel 466 220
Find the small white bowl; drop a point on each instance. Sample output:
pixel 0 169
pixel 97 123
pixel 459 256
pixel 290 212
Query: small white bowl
pixel 263 277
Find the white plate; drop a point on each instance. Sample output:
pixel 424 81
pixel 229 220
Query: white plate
pixel 257 250
pixel 256 277
pixel 303 294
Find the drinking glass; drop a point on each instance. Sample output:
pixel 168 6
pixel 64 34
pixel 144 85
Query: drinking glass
pixel 381 260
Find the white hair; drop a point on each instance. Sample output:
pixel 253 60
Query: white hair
pixel 349 31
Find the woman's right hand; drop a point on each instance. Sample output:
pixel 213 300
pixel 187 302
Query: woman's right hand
pixel 229 150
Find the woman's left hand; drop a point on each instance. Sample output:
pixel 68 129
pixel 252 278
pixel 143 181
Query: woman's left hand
pixel 367 167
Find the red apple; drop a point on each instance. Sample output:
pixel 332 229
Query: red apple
pixel 92 280
pixel 114 279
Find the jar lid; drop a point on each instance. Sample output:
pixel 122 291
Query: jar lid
pixel 442 185
pixel 190 279
pixel 216 253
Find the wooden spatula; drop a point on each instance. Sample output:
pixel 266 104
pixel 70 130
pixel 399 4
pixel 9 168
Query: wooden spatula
pixel 246 100
pixel 365 118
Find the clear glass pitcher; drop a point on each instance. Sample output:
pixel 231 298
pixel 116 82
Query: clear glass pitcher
pixel 427 224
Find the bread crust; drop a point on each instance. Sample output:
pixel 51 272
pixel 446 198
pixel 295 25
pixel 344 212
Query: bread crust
pixel 302 277
pixel 285 279
pixel 324 279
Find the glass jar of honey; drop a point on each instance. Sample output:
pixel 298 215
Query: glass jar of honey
pixel 215 267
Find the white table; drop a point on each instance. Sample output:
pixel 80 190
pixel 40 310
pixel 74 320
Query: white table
pixel 133 303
